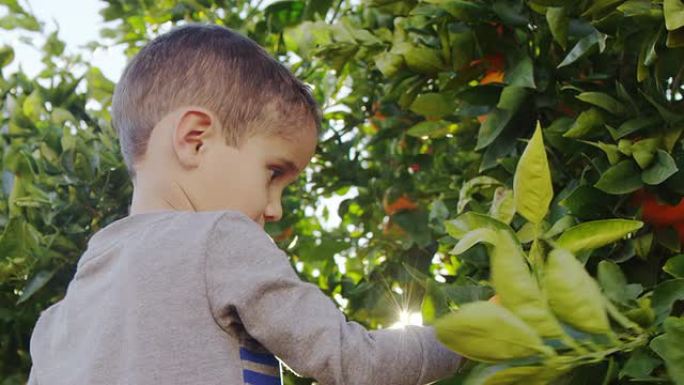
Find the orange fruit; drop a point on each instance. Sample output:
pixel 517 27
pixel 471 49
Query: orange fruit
pixel 401 203
pixel 657 213
pixel 492 76
pixel 285 234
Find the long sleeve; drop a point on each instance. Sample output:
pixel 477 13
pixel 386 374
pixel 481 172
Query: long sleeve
pixel 32 380
pixel 298 323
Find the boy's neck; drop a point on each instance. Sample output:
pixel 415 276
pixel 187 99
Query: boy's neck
pixel 146 200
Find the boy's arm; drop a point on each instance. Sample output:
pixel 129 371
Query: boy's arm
pixel 295 321
pixel 32 380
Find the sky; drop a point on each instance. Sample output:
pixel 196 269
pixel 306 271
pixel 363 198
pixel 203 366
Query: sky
pixel 78 22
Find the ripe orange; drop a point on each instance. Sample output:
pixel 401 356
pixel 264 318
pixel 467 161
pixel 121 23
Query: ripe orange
pixel 492 76
pixel 401 203
pixel 657 213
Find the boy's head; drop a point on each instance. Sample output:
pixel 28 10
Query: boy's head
pixel 207 120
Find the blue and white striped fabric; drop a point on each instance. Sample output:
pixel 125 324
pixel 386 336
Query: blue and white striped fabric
pixel 259 368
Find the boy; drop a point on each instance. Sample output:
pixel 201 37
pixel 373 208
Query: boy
pixel 189 289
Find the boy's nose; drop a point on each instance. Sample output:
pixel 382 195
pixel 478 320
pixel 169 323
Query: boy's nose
pixel 273 212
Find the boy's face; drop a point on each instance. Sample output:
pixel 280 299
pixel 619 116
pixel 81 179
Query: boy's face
pixel 251 179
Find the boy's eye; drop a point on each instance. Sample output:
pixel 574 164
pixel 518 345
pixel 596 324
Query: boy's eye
pixel 276 172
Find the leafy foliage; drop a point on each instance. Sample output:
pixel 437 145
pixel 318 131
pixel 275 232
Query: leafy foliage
pixel 428 106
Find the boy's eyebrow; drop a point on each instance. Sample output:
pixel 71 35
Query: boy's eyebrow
pixel 291 166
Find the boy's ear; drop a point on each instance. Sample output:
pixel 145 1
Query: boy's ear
pixel 194 126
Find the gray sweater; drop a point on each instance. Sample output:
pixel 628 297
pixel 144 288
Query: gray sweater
pixel 180 297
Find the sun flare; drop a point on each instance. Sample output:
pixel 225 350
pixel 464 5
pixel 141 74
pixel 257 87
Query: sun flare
pixel 406 318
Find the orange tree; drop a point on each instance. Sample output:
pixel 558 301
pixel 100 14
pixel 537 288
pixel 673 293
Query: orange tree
pixel 429 108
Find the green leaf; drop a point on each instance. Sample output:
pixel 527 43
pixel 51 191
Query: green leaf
pixel 23 21
pixel 460 294
pixel 18 238
pixel 664 297
pixel 665 113
pixel 510 13
pixel 644 314
pixel 559 226
pixel 623 178
pixel 473 186
pixel 53 45
pixel 584 46
pixel 573 295
pixel 599 6
pixel 549 3
pixel 503 205
pixel 431 129
pixel 68 140
pixel 420 59
pixel 636 8
pixel 33 105
pixel 522 72
pixel 587 202
pixel 536 255
pixel 675 266
pixel 362 36
pixel 504 375
pixel 663 168
pixel 518 289
pixel 625 147
pixel 633 125
pixel 439 212
pixel 488 332
pixel 532 186
pixel 432 104
pixel 510 101
pixel 283 13
pixel 671 137
pixel 625 96
pixel 36 283
pixel 470 221
pixel 558 20
pixel 307 36
pixel 6 55
pixel 389 63
pixel 604 101
pixel 60 115
pixel 510 275
pixel 643 244
pixel 415 223
pixel 434 303
pixel 675 39
pixel 648 54
pixel 595 234
pixel 639 365
pixel 462 45
pixel 465 10
pixel 588 122
pixel 644 151
pixel 674 14
pixel 612 151
pixel 99 87
pixel 13 6
pixel 315 7
pixel 614 283
pixel 670 346
pixel 482 235
pixel 668 237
